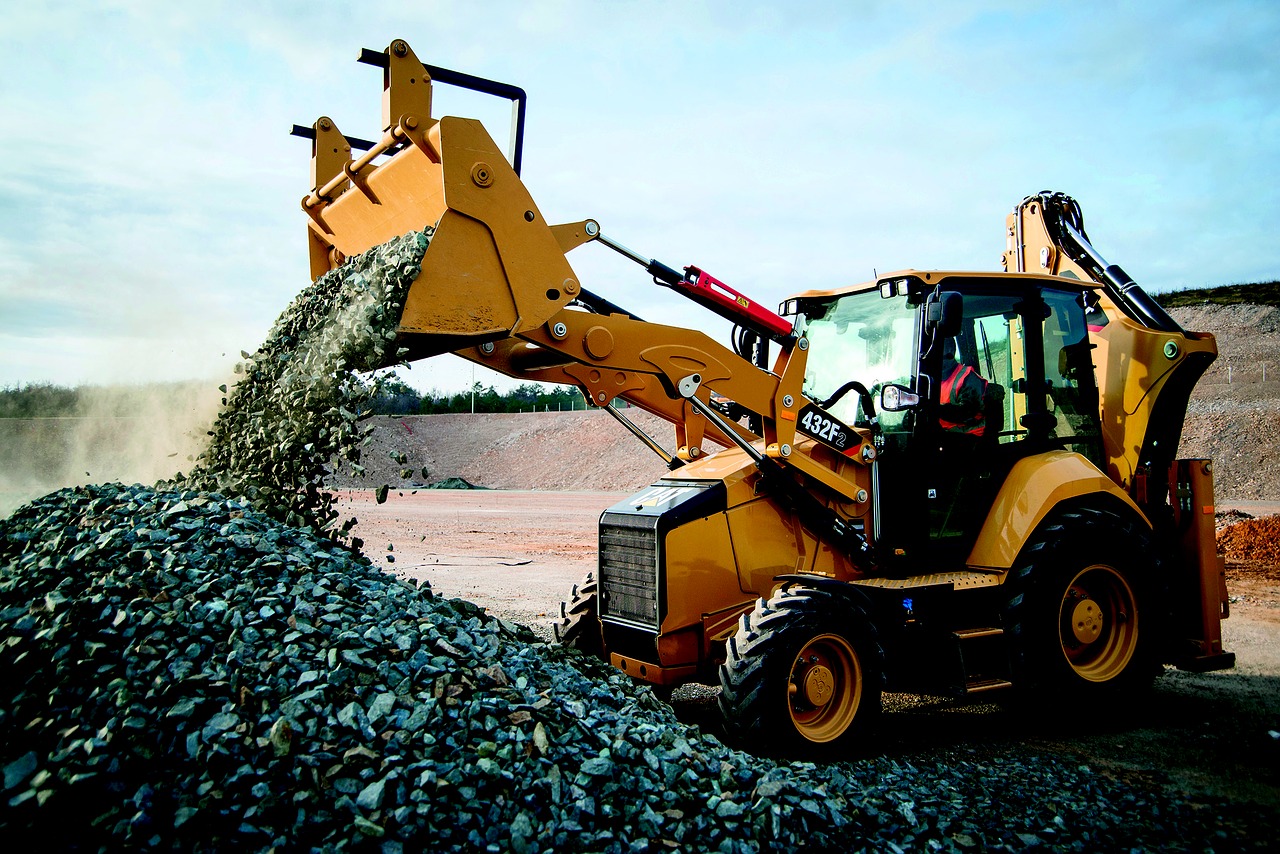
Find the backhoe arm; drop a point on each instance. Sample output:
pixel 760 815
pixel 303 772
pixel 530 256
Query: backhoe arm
pixel 1144 393
pixel 1146 368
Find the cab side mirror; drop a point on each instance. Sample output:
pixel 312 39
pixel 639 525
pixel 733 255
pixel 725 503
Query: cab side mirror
pixel 945 313
pixel 896 398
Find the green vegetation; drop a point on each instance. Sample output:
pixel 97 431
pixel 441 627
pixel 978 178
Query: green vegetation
pixel 523 398
pixel 391 397
pixel 38 400
pixel 1254 293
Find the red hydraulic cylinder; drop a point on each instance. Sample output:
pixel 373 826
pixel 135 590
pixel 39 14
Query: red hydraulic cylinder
pixel 706 289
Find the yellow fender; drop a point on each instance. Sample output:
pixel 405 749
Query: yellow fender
pixel 1034 487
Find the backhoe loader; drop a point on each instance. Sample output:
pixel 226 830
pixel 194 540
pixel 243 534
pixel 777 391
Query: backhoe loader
pixel 836 522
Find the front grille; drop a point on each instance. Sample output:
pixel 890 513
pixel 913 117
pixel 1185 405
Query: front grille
pixel 629 569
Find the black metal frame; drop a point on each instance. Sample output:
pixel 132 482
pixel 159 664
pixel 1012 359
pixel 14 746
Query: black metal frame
pixel 460 79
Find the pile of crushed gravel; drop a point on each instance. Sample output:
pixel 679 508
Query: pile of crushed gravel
pixel 182 671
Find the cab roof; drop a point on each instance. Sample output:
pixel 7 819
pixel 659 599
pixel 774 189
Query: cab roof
pixel 932 278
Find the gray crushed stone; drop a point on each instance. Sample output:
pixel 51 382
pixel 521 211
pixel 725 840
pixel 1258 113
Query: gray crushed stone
pixel 183 671
pixel 297 409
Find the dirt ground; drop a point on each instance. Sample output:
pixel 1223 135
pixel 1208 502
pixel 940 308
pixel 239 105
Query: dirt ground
pixel 517 553
pixel 1210 735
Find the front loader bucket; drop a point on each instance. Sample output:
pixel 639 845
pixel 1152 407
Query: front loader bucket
pixel 495 287
pixel 493 268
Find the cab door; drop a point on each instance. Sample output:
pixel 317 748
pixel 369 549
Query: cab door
pixel 1029 347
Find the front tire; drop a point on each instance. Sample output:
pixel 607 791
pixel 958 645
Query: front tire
pixel 579 626
pixel 1085 616
pixel 803 675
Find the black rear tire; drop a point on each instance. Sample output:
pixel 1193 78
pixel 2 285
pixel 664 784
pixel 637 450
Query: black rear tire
pixel 803 675
pixel 1085 616
pixel 579 626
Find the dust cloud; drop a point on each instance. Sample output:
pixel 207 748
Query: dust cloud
pixel 131 434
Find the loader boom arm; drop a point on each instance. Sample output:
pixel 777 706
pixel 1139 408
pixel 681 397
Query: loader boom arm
pixel 496 287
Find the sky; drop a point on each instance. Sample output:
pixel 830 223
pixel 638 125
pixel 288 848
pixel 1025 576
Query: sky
pixel 150 226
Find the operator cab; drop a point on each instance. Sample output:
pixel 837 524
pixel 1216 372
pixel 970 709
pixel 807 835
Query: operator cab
pixel 969 373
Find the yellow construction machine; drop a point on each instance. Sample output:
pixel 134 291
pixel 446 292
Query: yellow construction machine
pixel 936 482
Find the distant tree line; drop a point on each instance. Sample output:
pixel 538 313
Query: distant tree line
pixel 393 397
pixel 390 396
pixel 38 400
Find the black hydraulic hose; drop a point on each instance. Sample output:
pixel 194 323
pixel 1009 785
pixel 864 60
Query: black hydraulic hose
pixel 864 398
pixel 754 347
pixel 1066 222
pixel 1148 310
pixel 599 305
pixel 821 519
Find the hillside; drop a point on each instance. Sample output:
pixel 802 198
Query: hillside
pixel 542 450
pixel 1252 293
pixel 1234 417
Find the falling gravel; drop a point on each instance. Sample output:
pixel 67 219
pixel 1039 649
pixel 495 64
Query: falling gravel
pixel 296 412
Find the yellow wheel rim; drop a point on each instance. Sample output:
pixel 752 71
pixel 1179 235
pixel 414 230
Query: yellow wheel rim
pixel 1098 624
pixel 825 688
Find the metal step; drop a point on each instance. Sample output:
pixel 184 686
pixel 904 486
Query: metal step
pixel 972 634
pixel 985 658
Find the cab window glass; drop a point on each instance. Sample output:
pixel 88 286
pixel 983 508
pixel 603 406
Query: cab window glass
pixel 861 337
pixel 991 344
pixel 1071 395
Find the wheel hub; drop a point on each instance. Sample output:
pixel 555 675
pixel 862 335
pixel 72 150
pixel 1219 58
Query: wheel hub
pixel 1098 623
pixel 1086 621
pixel 819 685
pixel 824 688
